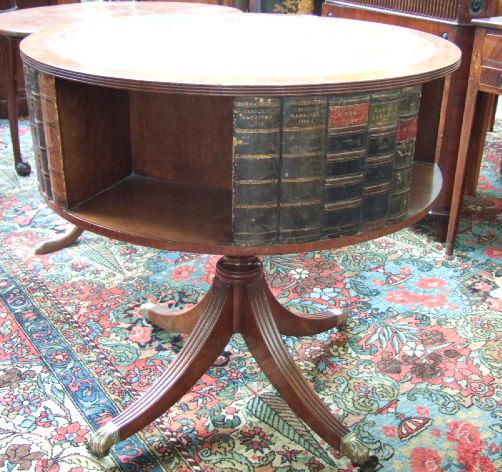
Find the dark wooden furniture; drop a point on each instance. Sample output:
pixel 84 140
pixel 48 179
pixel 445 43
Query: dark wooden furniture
pixel 161 171
pixel 16 25
pixel 485 80
pixel 440 119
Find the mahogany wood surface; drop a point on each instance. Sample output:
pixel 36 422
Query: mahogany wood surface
pixel 80 103
pixel 21 99
pixel 288 323
pixel 155 213
pixel 374 57
pixel 485 77
pixel 454 12
pixel 486 108
pixel 22 23
pixel 17 24
pixel 33 15
pixel 167 142
pixel 8 60
pixel 53 245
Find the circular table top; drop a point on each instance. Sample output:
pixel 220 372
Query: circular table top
pixel 21 23
pixel 246 54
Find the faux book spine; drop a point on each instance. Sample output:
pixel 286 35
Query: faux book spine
pixel 303 152
pixel 347 143
pixel 257 145
pixel 405 152
pixel 310 168
pixel 37 130
pixel 382 126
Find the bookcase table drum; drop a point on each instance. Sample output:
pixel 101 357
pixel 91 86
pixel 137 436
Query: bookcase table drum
pixel 215 146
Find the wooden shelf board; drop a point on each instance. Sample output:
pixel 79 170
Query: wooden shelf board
pixel 152 212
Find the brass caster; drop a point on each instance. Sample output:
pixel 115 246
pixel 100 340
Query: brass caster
pixel 103 439
pixel 371 465
pixel 344 317
pixel 356 451
pixel 145 308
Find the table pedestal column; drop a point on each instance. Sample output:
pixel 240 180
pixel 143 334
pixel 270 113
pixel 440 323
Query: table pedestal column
pixel 239 301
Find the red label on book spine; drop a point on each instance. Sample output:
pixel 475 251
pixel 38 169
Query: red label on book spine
pixel 344 116
pixel 407 129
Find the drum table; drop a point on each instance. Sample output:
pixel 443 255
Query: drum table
pixel 174 132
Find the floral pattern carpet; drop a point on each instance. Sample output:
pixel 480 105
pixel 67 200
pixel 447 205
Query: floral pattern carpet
pixel 417 373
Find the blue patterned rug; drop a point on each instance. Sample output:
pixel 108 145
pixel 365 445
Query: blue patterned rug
pixel 417 374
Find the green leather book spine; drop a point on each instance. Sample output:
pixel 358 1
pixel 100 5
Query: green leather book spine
pixel 256 155
pixel 345 162
pixel 404 154
pixel 382 127
pixel 37 130
pixel 303 153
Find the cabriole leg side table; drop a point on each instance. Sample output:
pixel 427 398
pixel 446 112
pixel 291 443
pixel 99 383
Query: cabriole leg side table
pixel 202 149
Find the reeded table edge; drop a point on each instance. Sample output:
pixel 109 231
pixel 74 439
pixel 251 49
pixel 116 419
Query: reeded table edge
pixel 35 52
pixel 243 90
pixel 436 180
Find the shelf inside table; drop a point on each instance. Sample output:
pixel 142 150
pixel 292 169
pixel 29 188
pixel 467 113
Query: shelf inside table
pixel 157 213
pixel 152 208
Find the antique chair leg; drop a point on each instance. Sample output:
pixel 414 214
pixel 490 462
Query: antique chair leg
pixel 69 237
pixel 178 321
pixel 301 324
pixel 202 348
pixel 10 53
pixel 264 341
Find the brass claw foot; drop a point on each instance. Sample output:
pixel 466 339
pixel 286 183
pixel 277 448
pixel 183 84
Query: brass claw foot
pixel 103 439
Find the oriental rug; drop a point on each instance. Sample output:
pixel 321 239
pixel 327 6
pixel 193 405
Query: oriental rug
pixel 417 373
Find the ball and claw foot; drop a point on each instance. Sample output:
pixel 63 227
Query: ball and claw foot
pixel 358 453
pixel 23 168
pixel 103 439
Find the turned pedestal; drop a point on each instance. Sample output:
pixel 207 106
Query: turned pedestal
pixel 239 301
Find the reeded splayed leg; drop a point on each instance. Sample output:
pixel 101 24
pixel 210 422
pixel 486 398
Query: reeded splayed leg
pixel 239 301
pixel 206 342
pixel 9 54
pixel 68 238
pixel 265 343
pixel 177 321
pixel 300 324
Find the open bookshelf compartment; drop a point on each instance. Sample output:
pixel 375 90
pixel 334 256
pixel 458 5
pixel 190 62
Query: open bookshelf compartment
pixel 175 217
pixel 152 160
pixel 95 138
